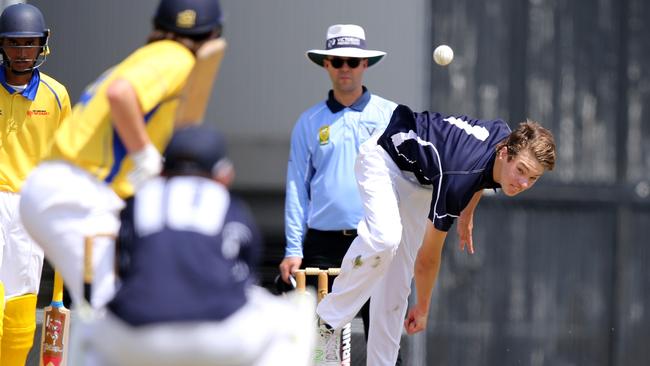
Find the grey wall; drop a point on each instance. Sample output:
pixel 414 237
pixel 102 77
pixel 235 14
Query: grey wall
pixel 90 36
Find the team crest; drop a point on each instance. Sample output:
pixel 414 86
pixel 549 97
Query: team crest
pixel 324 135
pixel 186 19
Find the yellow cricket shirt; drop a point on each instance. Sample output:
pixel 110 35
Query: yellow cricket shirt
pixel 88 139
pixel 28 122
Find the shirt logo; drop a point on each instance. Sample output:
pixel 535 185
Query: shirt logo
pixel 38 112
pixel 370 129
pixel 324 135
pixel 365 130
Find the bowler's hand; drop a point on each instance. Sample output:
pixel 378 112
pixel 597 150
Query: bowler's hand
pixel 464 228
pixel 416 319
pixel 288 266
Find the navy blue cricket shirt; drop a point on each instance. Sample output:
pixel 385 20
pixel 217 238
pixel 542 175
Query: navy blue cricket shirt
pixel 188 249
pixel 454 154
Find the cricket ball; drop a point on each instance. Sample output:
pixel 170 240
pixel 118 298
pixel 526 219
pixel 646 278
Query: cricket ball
pixel 443 55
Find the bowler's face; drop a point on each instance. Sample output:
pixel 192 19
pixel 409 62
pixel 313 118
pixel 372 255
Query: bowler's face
pixel 519 173
pixel 346 79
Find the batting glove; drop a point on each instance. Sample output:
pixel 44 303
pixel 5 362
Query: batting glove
pixel 147 163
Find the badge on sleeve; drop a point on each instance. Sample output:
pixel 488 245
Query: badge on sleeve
pixel 324 135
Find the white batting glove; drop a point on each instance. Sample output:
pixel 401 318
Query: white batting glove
pixel 147 163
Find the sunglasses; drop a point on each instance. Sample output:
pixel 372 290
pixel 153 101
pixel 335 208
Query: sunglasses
pixel 338 62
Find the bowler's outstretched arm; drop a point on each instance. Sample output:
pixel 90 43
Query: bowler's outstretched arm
pixel 427 265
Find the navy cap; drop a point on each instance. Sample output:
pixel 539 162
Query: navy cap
pixel 188 17
pixel 194 149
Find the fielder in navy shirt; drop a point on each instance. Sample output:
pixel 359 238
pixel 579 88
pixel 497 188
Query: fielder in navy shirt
pixel 188 251
pixel 188 248
pixel 187 245
pixel 424 165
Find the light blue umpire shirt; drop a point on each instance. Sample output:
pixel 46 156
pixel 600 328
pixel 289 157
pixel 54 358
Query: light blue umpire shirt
pixel 321 191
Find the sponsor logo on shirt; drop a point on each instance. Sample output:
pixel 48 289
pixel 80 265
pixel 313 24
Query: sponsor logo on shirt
pixel 38 112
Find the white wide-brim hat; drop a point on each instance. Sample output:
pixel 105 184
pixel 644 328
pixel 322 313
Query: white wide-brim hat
pixel 345 40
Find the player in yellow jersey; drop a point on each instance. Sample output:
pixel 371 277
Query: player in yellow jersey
pixel 111 144
pixel 32 106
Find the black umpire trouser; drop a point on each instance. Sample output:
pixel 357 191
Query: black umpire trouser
pixel 326 249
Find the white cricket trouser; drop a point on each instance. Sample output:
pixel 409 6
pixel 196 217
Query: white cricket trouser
pixel 268 331
pixel 380 260
pixel 60 206
pixel 21 259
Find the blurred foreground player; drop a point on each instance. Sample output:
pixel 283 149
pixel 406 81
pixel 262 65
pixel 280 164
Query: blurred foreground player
pixel 111 144
pixel 188 252
pixel 32 107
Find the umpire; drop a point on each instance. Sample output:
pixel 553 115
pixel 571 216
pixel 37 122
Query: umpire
pixel 323 206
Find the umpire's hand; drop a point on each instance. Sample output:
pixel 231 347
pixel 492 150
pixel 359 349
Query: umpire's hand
pixel 289 266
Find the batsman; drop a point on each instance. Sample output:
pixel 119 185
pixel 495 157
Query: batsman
pixel 32 107
pixel 111 144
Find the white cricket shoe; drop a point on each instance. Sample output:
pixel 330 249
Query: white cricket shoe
pixel 328 347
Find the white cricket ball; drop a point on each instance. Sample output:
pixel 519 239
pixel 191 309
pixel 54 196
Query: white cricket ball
pixel 443 55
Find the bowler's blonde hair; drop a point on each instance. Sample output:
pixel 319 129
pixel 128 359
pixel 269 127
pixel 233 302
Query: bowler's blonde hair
pixel 531 136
